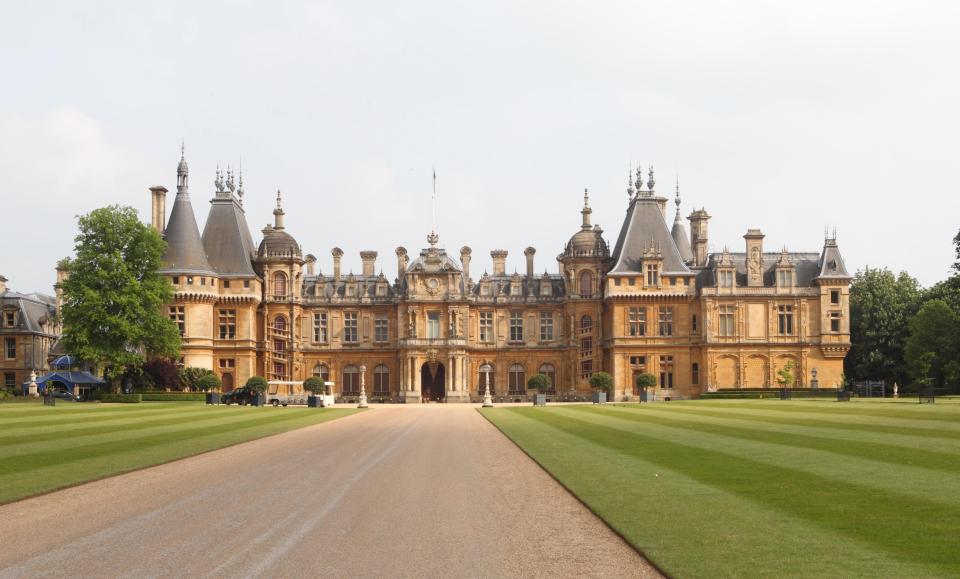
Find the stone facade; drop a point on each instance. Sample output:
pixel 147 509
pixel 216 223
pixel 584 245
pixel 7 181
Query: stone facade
pixel 659 302
pixel 28 331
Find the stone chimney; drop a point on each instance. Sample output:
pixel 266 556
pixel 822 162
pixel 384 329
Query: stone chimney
pixel 499 261
pixel 401 262
pixel 311 260
pixel 754 259
pixel 698 236
pixel 369 259
pixel 337 253
pixel 465 253
pixel 3 284
pixel 158 218
pixel 529 252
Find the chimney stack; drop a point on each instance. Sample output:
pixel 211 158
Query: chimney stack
pixel 337 253
pixel 401 262
pixel 3 284
pixel 754 265
pixel 499 261
pixel 698 236
pixel 158 217
pixel 529 252
pixel 369 259
pixel 311 261
pixel 465 253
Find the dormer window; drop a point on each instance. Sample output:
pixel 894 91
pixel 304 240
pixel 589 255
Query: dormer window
pixel 653 274
pixel 515 287
pixel 725 278
pixel 10 318
pixel 784 278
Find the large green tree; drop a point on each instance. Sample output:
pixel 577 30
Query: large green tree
pixel 881 305
pixel 933 348
pixel 113 296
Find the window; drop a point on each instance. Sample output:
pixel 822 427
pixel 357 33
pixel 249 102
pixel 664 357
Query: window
pixel 516 327
pixel 320 328
pixel 203 281
pixel 586 325
pixel 693 323
pixel 280 324
pixel 633 281
pixel 725 278
pixel 228 324
pixel 176 313
pixel 351 380
pixel 176 280
pixel 350 327
pixel 586 347
pixel 189 280
pixel 546 326
pixel 638 360
pixel 433 325
pixel 550 372
pixel 515 287
pixel 484 376
pixel 653 274
pixel 10 380
pixel 322 371
pixel 279 370
pixel 279 346
pixel 586 368
pixel 784 278
pixel 279 285
pixel 517 382
pixel 695 373
pixel 486 326
pixel 246 284
pixel 226 284
pixel 11 348
pixel 666 320
pixel 785 320
pixel 227 363
pixel 834 296
pixel 380 329
pixel 586 284
pixel 381 380
pixel 835 322
pixel 637 320
pixel 725 319
pixel 616 281
pixel 666 372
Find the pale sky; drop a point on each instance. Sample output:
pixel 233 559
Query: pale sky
pixel 786 116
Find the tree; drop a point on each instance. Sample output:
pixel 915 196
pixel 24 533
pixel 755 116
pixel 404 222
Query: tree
pixel 881 305
pixel 190 377
pixel 163 372
pixel 256 384
pixel 646 380
pixel 539 382
pixel 785 376
pixel 113 293
pixel 933 348
pixel 601 381
pixel 209 382
pixel 313 385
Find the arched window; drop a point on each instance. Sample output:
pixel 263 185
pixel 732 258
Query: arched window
pixel 550 372
pixel 279 285
pixel 586 284
pixel 280 324
pixel 322 371
pixel 483 380
pixel 517 380
pixel 381 380
pixel 351 381
pixel 586 324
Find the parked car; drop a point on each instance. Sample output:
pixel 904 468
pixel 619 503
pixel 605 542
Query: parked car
pixel 64 395
pixel 240 396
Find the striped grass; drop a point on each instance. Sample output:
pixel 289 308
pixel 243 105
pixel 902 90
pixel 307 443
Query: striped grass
pixel 47 448
pixel 762 488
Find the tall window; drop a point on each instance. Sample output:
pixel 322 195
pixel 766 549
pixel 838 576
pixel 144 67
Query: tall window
pixel 350 328
pixel 653 274
pixel 516 327
pixel 693 323
pixel 834 296
pixel 586 325
pixel 11 348
pixel 586 368
pixel 380 329
pixel 665 318
pixel 228 324
pixel 695 373
pixel 351 380
pixel 666 371
pixel 10 380
pixel 586 284
pixel 381 380
pixel 433 325
pixel 546 326
pixel 279 370
pixel 320 328
pixel 637 321
pixel 835 322
pixel 279 285
pixel 178 316
pixel 280 324
pixel 486 326
pixel 725 320
pixel 785 320
pixel 550 372
pixel 10 318
pixel 517 382
pixel 586 347
pixel 725 278
pixel 784 278
pixel 322 371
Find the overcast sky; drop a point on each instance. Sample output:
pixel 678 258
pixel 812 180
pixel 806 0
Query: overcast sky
pixel 786 116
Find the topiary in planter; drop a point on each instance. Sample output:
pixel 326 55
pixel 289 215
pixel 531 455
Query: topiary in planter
pixel 256 384
pixel 314 385
pixel 208 382
pixel 602 382
pixel 540 383
pixel 644 381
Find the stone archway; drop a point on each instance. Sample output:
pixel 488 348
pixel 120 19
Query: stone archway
pixel 432 378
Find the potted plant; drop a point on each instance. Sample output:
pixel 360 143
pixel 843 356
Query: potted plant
pixel 601 383
pixel 540 383
pixel 257 385
pixel 785 380
pixel 644 381
pixel 313 385
pixel 210 383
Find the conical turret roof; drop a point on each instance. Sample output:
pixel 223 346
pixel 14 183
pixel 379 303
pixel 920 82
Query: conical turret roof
pixel 185 251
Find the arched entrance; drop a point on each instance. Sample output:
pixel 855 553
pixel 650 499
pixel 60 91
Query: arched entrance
pixel 431 382
pixel 226 383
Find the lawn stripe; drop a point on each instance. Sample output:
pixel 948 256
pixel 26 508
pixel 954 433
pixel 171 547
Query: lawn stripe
pixel 76 417
pixel 41 431
pixel 863 514
pixel 931 412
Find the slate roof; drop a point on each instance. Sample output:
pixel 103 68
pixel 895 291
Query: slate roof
pixel 830 264
pixel 226 238
pixel 185 250
pixel 805 266
pixel 644 226
pixel 681 239
pixel 33 310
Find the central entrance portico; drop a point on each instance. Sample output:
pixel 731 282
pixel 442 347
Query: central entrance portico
pixel 432 380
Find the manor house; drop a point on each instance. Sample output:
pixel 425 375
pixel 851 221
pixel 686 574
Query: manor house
pixel 657 302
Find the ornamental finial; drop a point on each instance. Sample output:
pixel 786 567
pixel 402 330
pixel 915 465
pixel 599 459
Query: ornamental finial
pixel 639 181
pixel 630 181
pixel 650 180
pixel 677 189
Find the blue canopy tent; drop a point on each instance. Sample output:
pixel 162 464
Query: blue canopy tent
pixel 73 381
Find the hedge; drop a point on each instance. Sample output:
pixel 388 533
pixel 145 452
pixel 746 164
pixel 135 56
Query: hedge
pixel 174 397
pixel 124 398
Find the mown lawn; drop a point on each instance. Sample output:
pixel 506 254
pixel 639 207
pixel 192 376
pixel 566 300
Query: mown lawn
pixel 762 488
pixel 45 448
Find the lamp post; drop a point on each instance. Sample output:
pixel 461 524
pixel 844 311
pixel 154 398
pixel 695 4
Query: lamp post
pixel 363 390
pixel 487 400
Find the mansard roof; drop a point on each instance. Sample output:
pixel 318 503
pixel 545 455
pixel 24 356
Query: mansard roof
pixel 805 266
pixel 185 251
pixel 226 238
pixel 34 310
pixel 645 227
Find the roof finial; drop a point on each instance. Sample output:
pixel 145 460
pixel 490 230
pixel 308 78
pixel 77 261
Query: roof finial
pixel 586 211
pixel 586 198
pixel 639 182
pixel 630 181
pixel 240 187
pixel 218 182
pixel 650 181
pixel 183 171
pixel 182 148
pixel 279 200
pixel 230 184
pixel 278 213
